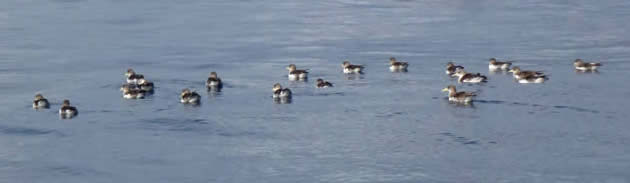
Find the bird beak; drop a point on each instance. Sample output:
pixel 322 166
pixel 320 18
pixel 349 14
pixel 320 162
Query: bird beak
pixel 511 70
pixel 445 90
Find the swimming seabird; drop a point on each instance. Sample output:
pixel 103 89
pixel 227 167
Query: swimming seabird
pixel 40 102
pixel 130 93
pixel 586 66
pixel 465 77
pixel 323 84
pixel 279 92
pixel 454 96
pixel 145 85
pixel 189 97
pixel 518 73
pixel 496 65
pixel 132 76
pixel 451 68
pixel 397 66
pixel 214 82
pixel 295 74
pixel 351 69
pixel 67 111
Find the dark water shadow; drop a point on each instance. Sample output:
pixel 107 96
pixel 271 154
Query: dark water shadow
pixel 71 171
pixel 213 92
pixel 326 94
pixel 576 109
pixel 173 124
pixel 24 131
pixel 191 125
pixel 283 100
pixel 390 114
pixel 354 76
pixel 459 139
pixel 207 66
pixel 195 105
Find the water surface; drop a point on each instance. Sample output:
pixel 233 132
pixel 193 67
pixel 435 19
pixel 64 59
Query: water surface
pixel 379 127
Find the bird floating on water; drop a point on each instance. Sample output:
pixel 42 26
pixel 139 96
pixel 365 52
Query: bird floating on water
pixel 518 73
pixel 580 65
pixel 40 102
pixel 461 97
pixel 351 69
pixel 189 97
pixel 66 111
pixel 295 74
pixel 132 76
pixel 465 77
pixel 397 66
pixel 214 82
pixel 495 65
pixel 451 68
pixel 145 85
pixel 528 76
pixel 323 84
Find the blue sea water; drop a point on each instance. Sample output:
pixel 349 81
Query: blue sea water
pixel 377 127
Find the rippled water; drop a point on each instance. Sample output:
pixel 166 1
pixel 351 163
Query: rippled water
pixel 379 127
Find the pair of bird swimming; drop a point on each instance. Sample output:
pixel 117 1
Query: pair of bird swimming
pixel 394 66
pixel 66 110
pixel 213 83
pixel 463 76
pixel 348 68
pixel 522 76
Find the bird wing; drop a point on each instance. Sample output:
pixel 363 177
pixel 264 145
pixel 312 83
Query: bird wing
pixel 465 94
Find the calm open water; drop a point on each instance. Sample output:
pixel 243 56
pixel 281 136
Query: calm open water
pixel 380 127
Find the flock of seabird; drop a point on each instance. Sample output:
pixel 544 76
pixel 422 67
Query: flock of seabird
pixel 137 87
